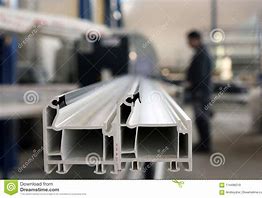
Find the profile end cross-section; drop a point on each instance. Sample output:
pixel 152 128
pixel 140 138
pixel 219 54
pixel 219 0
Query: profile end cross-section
pixel 126 120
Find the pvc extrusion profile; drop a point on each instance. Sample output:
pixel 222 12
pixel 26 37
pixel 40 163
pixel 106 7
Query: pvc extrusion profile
pixel 129 119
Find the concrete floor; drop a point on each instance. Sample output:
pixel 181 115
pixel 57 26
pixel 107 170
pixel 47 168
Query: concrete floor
pixel 232 136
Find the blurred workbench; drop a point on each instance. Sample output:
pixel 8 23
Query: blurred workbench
pixel 14 104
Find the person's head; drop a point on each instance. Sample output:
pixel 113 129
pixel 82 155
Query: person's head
pixel 194 39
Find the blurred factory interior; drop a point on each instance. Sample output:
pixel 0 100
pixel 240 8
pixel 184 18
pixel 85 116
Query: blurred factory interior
pixel 51 47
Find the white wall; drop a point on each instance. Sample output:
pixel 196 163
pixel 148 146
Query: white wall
pixel 61 7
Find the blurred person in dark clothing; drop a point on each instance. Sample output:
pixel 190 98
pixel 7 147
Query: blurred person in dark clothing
pixel 199 85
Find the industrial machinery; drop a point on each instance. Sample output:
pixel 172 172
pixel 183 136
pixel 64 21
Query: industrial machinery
pixel 128 119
